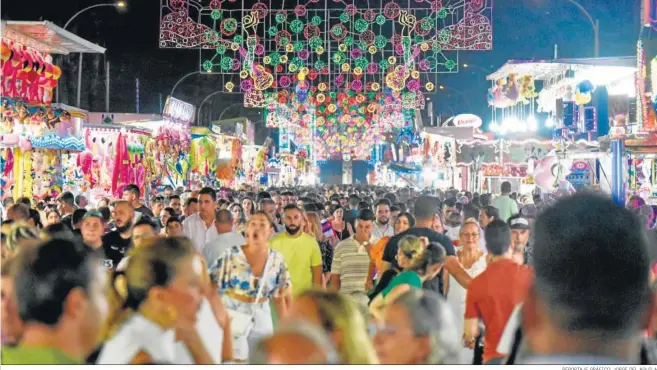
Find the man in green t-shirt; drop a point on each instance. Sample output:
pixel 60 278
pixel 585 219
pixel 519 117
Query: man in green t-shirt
pixel 60 292
pixel 300 251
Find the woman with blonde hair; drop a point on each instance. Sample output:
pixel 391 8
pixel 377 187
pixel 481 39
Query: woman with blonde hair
pixel 340 317
pixel 314 228
pixel 473 261
pixel 14 235
pixel 165 318
pixel 420 261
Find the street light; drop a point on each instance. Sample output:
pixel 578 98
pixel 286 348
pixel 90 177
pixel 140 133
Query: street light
pixel 198 113
pixel 595 24
pixel 119 5
pixel 183 78
pixel 487 70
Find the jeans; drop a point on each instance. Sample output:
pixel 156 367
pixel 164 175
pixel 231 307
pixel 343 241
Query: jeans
pixel 262 325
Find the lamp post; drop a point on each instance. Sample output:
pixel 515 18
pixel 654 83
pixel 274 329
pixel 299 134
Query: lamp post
pixel 468 65
pixel 121 4
pixel 182 79
pixel 595 24
pixel 466 98
pixel 198 113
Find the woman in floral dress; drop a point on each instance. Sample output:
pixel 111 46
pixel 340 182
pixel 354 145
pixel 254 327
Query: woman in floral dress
pixel 249 277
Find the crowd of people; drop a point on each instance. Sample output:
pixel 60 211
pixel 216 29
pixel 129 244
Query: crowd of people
pixel 327 275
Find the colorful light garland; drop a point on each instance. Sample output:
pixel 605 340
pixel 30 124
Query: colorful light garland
pixel 336 43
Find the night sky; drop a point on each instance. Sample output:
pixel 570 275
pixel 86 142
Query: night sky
pixel 523 29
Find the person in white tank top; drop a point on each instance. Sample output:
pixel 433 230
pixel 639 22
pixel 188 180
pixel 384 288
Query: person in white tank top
pixel 473 260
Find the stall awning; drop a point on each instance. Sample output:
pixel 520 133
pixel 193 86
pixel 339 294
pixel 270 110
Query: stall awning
pixel 542 70
pixel 48 38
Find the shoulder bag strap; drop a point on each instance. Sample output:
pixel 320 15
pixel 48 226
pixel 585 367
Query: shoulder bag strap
pixel 261 283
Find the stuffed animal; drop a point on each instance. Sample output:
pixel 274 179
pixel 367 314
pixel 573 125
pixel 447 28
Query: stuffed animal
pixel 527 88
pixel 512 91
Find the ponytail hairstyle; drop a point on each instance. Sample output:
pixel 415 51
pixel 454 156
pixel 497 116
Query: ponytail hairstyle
pixel 154 265
pixel 433 254
pixel 412 248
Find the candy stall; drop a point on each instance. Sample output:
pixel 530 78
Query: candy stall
pixel 35 135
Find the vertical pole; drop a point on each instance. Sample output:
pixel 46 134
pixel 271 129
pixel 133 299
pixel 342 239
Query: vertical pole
pixel 58 60
pixel 556 51
pixel 137 92
pixel 161 108
pixel 107 86
pixel 596 32
pixel 617 172
pixel 79 80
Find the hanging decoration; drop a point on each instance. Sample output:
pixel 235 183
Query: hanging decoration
pixel 398 45
pixel 39 126
pixel 27 74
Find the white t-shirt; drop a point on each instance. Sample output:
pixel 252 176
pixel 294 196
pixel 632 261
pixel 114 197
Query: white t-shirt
pixel 215 248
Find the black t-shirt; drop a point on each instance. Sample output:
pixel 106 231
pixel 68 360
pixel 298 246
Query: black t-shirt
pixel 105 262
pixel 390 252
pixel 144 211
pixel 115 246
pixel 68 221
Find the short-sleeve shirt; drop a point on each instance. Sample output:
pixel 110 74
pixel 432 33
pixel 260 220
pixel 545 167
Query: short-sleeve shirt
pixel 301 254
pixel 407 277
pixel 390 252
pixel 493 295
pixel 231 272
pixel 352 262
pixel 506 206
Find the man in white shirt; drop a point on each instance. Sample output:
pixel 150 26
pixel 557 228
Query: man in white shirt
pixel 382 226
pixel 199 227
pixel 226 238
pixel 504 204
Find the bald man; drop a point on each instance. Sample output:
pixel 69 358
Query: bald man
pixel 296 343
pixel 117 243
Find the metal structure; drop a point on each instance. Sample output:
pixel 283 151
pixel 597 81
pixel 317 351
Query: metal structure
pixel 403 45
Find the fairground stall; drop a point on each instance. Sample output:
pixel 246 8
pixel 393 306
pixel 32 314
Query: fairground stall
pixel 576 98
pixel 203 157
pixel 114 156
pixel 167 156
pixel 234 135
pixel 634 128
pixel 35 134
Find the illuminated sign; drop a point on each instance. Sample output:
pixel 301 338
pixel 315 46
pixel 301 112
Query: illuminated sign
pixel 179 111
pixel 467 120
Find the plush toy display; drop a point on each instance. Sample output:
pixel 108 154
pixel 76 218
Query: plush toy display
pixel 27 74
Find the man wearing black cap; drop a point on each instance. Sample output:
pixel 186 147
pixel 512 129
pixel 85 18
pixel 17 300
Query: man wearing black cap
pixel 93 228
pixel 520 238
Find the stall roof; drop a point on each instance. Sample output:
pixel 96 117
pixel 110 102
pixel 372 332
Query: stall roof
pixel 459 133
pixel 48 38
pixel 547 69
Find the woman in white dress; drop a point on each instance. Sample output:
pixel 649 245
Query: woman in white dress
pixel 473 260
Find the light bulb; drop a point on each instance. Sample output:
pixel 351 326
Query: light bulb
pixel 532 124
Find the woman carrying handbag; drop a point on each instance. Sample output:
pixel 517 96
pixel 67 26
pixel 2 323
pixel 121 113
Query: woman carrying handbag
pixel 249 277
